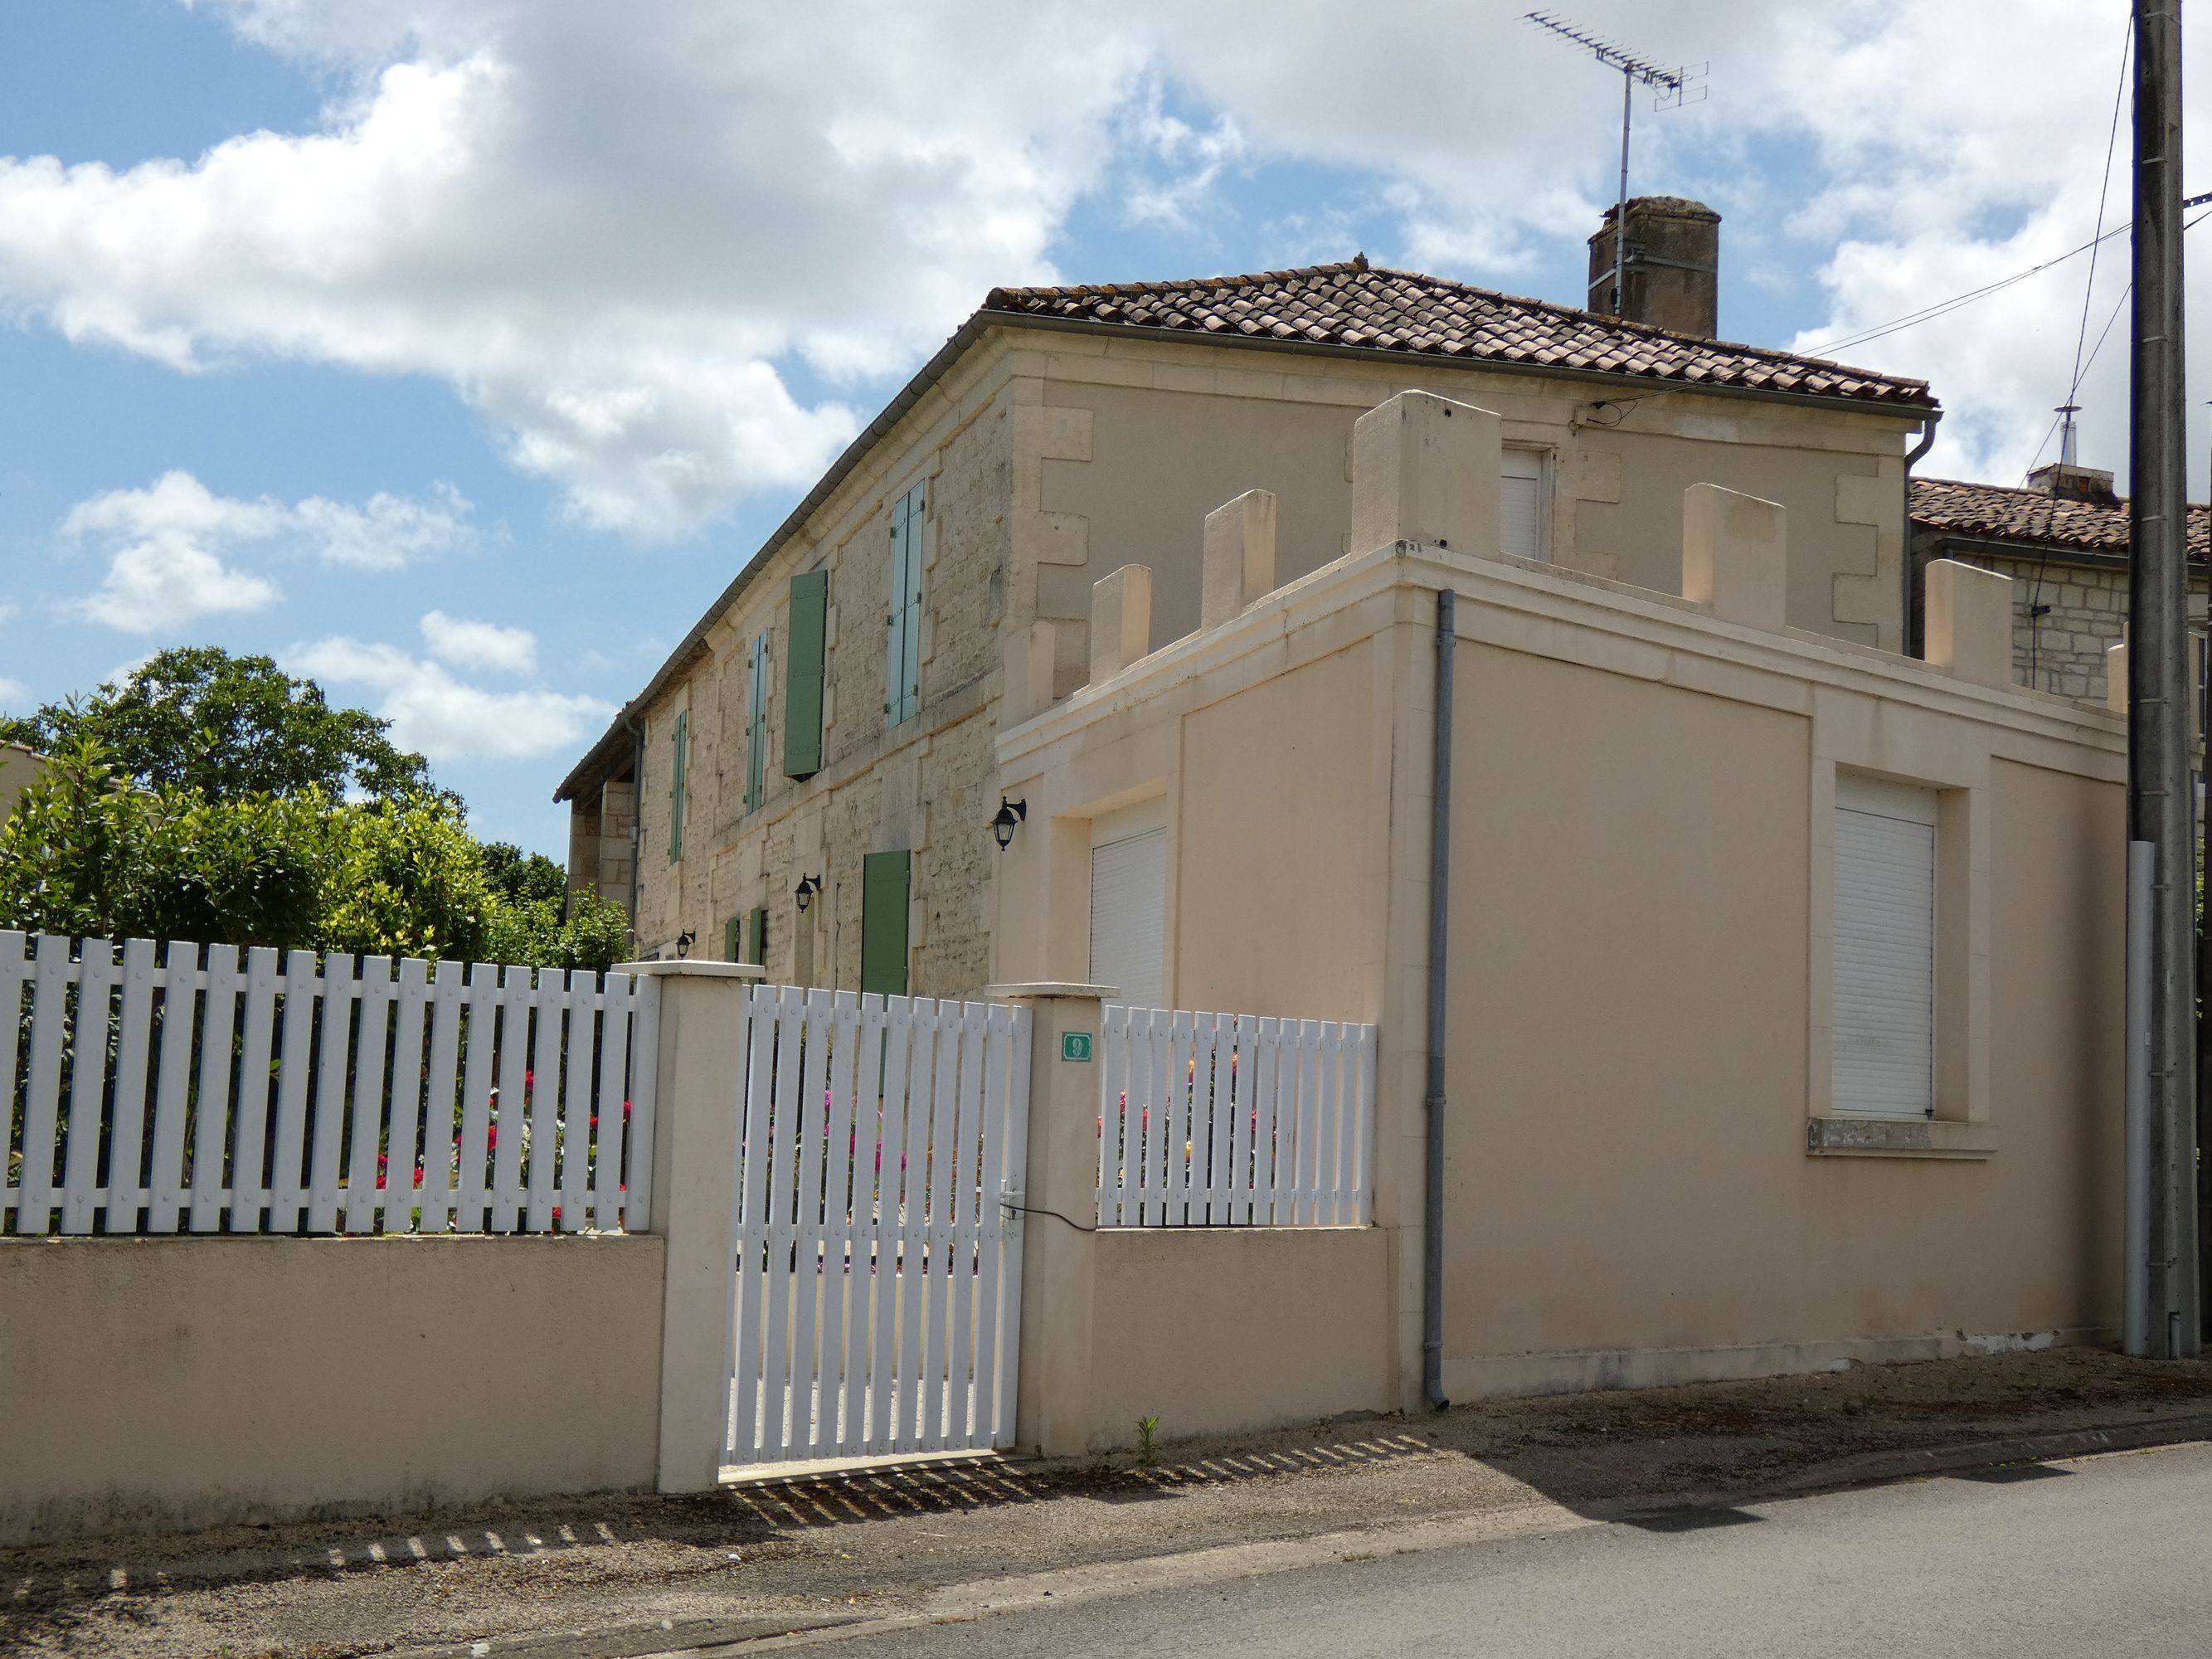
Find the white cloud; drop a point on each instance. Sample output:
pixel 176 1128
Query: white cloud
pixel 168 545
pixel 165 544
pixel 614 230
pixel 14 695
pixel 388 531
pixel 463 644
pixel 446 717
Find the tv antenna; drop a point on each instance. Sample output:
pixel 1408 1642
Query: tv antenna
pixel 1673 89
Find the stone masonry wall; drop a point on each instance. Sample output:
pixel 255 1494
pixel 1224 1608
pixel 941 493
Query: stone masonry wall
pixel 924 786
pixel 2062 650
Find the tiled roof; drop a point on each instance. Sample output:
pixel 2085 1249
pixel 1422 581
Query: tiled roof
pixel 1356 304
pixel 2011 514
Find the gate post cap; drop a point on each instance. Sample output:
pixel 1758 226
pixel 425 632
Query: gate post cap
pixel 1050 989
pixel 685 968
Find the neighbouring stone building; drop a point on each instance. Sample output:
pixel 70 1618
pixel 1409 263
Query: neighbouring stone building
pixel 2063 538
pixel 834 714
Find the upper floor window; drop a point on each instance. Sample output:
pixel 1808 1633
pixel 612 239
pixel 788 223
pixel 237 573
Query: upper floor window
pixel 903 685
pixel 679 761
pixel 1521 504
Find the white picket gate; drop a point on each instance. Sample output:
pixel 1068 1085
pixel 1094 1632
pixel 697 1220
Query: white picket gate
pixel 260 1092
pixel 876 1286
pixel 1234 1120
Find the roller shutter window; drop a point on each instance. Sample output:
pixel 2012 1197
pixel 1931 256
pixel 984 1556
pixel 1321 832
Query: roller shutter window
pixel 885 885
pixel 1129 905
pixel 1521 504
pixel 804 660
pixel 1884 1043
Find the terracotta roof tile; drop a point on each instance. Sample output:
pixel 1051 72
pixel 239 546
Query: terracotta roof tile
pixel 2006 513
pixel 1359 304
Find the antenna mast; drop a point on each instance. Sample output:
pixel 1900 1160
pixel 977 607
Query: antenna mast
pixel 1673 87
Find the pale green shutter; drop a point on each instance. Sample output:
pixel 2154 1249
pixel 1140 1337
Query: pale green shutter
pixel 731 941
pixel 902 688
pixel 885 879
pixel 679 764
pixel 757 936
pixel 757 728
pixel 802 674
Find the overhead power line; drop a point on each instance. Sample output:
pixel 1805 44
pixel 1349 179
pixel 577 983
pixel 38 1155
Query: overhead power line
pixel 1844 342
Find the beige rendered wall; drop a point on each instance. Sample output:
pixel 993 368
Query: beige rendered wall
pixel 167 1384
pixel 1176 430
pixel 1641 918
pixel 1218 1331
pixel 20 768
pixel 1639 1036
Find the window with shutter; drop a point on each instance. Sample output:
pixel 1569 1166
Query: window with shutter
pixel 805 653
pixel 903 683
pixel 1128 904
pixel 756 726
pixel 733 939
pixel 757 936
pixel 1521 504
pixel 885 884
pixel 678 764
pixel 1884 1025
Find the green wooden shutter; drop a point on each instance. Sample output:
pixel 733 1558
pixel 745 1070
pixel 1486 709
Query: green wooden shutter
pixel 802 674
pixel 756 727
pixel 679 764
pixel 903 686
pixel 732 929
pixel 757 936
pixel 885 879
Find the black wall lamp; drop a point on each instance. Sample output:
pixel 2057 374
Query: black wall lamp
pixel 685 941
pixel 805 892
pixel 1010 813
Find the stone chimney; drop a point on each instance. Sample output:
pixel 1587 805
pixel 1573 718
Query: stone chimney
pixel 1672 279
pixel 2074 483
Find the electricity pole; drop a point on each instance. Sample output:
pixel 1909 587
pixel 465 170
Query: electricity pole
pixel 2162 806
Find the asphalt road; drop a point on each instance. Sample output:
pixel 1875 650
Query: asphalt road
pixel 2109 1555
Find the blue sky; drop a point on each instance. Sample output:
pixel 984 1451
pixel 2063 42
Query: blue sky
pixel 461 359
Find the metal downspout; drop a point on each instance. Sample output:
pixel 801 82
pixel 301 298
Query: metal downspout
pixel 1432 1217
pixel 1912 576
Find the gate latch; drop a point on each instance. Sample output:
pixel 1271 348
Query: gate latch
pixel 1010 1200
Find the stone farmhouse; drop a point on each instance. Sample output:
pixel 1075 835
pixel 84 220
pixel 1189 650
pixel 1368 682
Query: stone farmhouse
pixel 2063 540
pixel 833 716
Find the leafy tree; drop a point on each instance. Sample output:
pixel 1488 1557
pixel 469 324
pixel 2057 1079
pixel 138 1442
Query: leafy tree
pixel 87 852
pixel 84 853
pixel 197 718
pixel 405 879
pixel 524 876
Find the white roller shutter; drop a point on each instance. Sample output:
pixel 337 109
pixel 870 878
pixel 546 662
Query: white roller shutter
pixel 1521 504
pixel 1884 1046
pixel 1129 905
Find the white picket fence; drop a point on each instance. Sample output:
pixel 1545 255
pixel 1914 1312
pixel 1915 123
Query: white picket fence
pixel 211 1088
pixel 1234 1120
pixel 876 1293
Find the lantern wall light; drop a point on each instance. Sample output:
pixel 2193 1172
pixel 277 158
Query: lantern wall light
pixel 1011 813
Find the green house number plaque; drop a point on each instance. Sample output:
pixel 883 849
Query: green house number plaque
pixel 1075 1045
